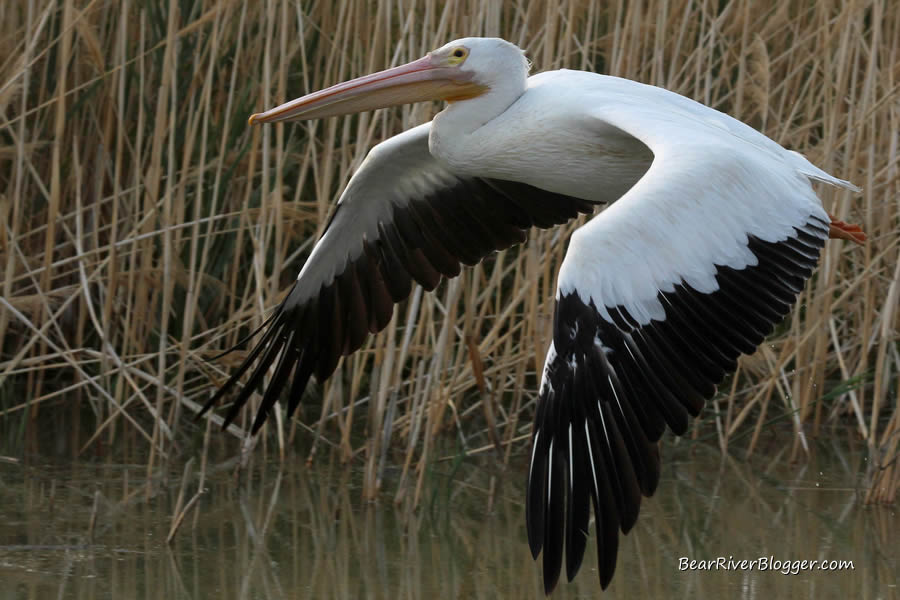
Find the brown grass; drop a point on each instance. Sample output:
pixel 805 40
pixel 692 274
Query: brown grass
pixel 145 227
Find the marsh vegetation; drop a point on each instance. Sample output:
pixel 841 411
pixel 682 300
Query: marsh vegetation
pixel 146 227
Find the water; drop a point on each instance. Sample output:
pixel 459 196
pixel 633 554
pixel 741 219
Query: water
pixel 302 532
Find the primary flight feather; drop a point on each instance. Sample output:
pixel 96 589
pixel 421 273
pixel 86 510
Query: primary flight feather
pixel 710 232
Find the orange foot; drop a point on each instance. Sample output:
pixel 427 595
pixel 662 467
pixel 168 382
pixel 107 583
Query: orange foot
pixel 846 231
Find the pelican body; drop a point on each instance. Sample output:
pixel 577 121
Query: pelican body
pixel 709 233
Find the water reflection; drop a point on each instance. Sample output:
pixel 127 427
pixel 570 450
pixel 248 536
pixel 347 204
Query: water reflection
pixel 302 533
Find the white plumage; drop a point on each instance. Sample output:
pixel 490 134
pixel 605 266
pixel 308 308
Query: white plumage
pixel 711 230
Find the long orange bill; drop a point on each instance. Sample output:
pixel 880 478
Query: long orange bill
pixel 427 78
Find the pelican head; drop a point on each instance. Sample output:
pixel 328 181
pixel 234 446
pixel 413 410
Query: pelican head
pixel 460 70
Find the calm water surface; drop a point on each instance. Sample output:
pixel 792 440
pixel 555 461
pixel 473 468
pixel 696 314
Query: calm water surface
pixel 302 532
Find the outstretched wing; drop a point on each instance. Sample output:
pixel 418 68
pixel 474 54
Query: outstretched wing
pixel 658 296
pixel 402 218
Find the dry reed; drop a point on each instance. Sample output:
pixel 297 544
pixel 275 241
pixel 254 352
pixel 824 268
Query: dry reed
pixel 145 227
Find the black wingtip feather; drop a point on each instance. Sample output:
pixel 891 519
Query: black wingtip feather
pixel 285 364
pixel 302 372
pixel 535 496
pixel 554 526
pixel 579 509
pixel 273 348
pixel 242 368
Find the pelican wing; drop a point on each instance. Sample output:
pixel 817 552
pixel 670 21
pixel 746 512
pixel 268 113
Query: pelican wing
pixel 658 295
pixel 403 218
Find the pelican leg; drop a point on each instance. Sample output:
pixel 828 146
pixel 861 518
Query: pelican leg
pixel 846 231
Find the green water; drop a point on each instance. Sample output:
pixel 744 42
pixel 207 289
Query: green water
pixel 302 532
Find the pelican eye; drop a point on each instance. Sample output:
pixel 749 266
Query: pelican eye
pixel 458 55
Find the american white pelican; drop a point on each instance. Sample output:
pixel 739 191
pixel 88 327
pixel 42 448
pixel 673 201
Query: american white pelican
pixel 711 230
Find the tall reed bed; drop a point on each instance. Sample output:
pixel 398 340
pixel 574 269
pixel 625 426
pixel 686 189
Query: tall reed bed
pixel 146 227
